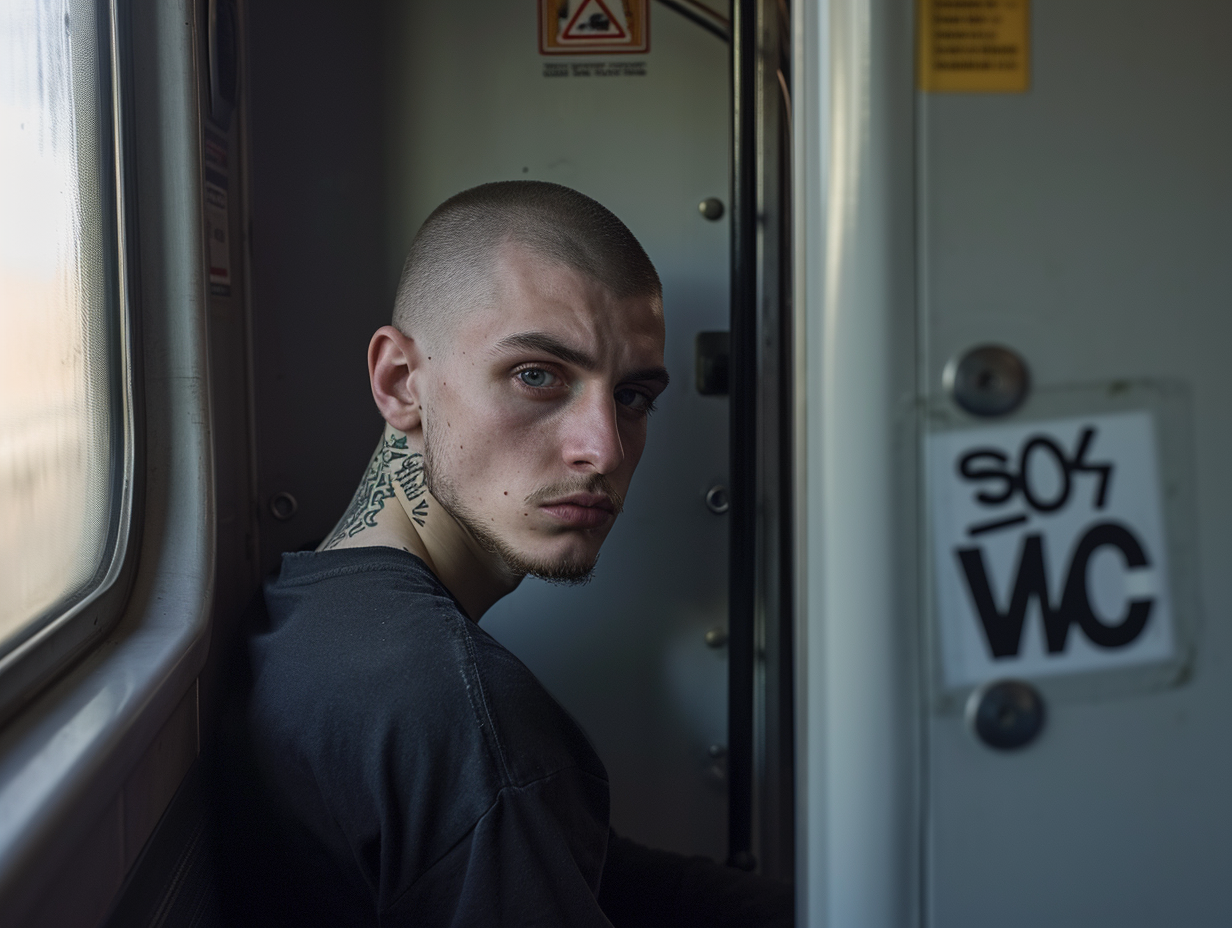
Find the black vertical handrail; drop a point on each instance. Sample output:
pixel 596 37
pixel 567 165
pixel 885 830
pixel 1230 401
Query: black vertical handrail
pixel 742 398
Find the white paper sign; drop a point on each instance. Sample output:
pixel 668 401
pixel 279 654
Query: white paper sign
pixel 1049 552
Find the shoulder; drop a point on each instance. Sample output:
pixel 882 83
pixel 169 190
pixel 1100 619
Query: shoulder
pixel 535 733
pixel 365 646
pixel 389 725
pixel 352 631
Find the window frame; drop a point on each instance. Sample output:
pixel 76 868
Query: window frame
pixel 78 763
pixel 69 627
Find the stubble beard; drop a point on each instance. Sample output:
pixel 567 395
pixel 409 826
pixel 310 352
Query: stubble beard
pixel 568 571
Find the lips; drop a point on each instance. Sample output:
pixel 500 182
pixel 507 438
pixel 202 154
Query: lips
pixel 581 510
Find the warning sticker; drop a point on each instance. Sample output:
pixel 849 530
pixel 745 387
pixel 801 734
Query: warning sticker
pixel 974 45
pixel 594 27
pixel 1049 551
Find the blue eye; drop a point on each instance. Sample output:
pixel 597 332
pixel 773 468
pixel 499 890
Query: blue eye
pixel 635 400
pixel 537 377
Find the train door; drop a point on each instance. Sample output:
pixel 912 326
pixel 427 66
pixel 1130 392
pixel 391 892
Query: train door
pixel 1013 278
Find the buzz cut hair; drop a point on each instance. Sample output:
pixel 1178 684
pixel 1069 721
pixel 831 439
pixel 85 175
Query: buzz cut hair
pixel 449 267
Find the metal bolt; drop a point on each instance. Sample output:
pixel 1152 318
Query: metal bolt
pixel 717 500
pixel 711 208
pixel 987 381
pixel 1006 714
pixel 283 506
pixel 716 637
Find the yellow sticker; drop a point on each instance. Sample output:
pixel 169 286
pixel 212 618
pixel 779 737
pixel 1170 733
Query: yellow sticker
pixel 594 27
pixel 974 45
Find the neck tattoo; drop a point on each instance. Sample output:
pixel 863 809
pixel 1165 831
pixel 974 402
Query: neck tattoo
pixel 411 479
pixel 380 483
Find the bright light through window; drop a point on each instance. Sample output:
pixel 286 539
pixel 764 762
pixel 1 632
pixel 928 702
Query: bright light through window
pixel 55 379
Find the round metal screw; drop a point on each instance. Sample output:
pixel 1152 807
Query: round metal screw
pixel 283 506
pixel 989 380
pixel 711 208
pixel 717 500
pixel 716 637
pixel 1006 714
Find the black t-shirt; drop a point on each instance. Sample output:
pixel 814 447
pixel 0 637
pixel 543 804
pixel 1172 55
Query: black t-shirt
pixel 404 768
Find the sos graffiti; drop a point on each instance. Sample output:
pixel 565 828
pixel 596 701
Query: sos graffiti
pixel 1002 480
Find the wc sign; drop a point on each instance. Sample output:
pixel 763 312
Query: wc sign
pixel 1048 547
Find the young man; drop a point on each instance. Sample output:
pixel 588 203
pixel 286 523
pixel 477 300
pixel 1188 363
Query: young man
pixel 414 771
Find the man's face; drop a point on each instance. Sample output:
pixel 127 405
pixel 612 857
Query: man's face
pixel 535 414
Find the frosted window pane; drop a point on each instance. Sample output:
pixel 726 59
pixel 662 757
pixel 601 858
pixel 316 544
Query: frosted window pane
pixel 55 407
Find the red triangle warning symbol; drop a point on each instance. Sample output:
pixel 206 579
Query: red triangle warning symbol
pixel 593 20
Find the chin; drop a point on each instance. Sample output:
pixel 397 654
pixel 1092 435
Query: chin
pixel 560 570
pixel 572 563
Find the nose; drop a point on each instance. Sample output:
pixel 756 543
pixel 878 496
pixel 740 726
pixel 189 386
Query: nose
pixel 591 432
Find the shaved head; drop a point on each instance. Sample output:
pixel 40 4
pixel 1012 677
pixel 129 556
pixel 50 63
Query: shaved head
pixel 449 269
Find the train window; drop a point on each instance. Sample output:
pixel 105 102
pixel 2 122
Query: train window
pixel 65 442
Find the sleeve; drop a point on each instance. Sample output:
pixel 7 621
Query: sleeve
pixel 533 859
pixel 646 888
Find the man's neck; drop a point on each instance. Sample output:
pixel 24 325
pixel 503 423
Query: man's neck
pixel 393 508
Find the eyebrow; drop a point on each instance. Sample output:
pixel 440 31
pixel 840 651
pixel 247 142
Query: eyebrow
pixel 550 344
pixel 649 373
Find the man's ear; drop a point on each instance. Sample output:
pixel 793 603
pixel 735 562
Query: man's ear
pixel 395 371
